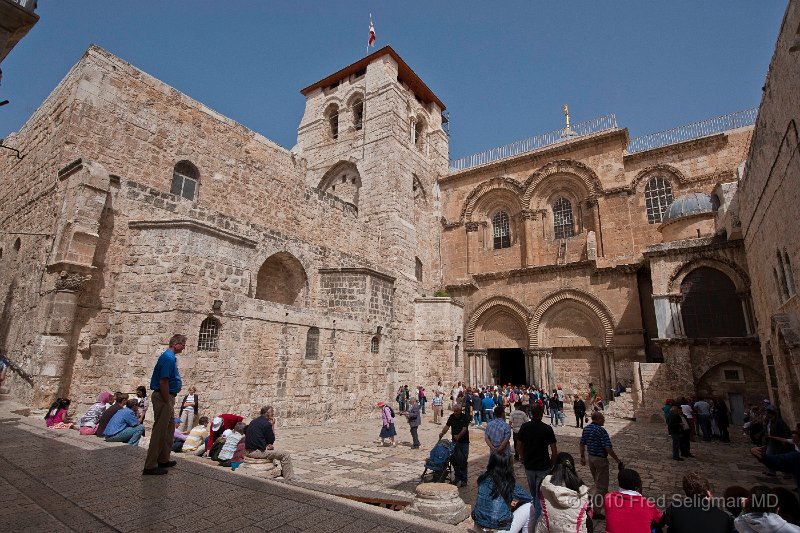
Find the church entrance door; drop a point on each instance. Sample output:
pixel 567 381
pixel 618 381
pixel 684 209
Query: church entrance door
pixel 507 365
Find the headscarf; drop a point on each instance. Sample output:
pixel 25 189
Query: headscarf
pixel 104 397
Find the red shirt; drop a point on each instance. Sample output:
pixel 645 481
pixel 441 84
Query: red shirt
pixel 628 513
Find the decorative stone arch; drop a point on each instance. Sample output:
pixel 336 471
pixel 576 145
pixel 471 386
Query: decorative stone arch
pixel 479 192
pixel 602 312
pixel 641 179
pixel 563 166
pixel 347 190
pixel 511 306
pixel 282 279
pixel 736 273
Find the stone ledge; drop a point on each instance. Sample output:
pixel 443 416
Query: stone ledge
pixel 193 225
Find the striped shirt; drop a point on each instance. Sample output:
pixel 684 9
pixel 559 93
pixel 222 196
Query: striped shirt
pixel 596 439
pixel 517 418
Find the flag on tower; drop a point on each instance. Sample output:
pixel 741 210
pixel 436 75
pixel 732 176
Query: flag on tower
pixel 371 41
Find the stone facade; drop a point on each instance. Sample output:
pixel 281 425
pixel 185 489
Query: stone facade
pixel 769 209
pixel 312 294
pixel 311 278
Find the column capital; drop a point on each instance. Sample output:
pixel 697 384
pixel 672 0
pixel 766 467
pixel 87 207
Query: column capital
pixel 71 281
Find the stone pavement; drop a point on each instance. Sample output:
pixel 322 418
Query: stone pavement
pixel 60 480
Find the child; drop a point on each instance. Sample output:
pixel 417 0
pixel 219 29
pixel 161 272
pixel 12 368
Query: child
pixel 57 413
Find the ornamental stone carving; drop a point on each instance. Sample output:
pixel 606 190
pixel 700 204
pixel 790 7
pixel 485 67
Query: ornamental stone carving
pixel 71 281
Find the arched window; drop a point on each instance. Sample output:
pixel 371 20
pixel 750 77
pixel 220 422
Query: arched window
pixel 418 269
pixel 375 344
pixel 456 355
pixel 17 245
pixel 502 235
pixel 778 288
pixel 657 197
pixel 312 343
pixel 332 117
pixel 710 307
pixel 562 218
pixel 184 180
pixel 358 113
pixel 787 268
pixel 208 341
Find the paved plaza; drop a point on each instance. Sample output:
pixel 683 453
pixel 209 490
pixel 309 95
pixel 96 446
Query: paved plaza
pixel 61 481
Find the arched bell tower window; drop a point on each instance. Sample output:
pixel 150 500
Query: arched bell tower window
pixel 502 235
pixel 358 113
pixel 184 180
pixel 657 197
pixel 562 218
pixel 332 118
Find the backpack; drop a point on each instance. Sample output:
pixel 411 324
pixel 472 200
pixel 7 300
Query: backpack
pixel 391 411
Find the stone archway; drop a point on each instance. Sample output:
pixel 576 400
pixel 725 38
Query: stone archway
pixel 497 343
pixel 572 332
pixel 282 279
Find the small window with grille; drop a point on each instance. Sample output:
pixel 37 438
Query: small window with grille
pixel 657 197
pixel 208 341
pixel 375 345
pixel 502 235
pixel 312 343
pixel 562 218
pixel 732 374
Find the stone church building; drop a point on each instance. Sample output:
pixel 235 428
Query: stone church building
pixel 321 278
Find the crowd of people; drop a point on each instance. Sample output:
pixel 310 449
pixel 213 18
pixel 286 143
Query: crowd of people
pixel 226 439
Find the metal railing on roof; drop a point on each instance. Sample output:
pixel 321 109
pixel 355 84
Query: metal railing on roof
pixel 580 129
pixel 30 5
pixel 696 130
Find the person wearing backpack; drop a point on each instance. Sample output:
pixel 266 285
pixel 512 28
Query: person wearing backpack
pixel 387 429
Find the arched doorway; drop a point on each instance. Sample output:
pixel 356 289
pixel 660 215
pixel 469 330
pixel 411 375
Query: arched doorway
pixel 711 307
pixel 576 337
pixel 736 384
pixel 502 332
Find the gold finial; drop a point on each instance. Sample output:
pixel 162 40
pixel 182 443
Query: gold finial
pixel 566 114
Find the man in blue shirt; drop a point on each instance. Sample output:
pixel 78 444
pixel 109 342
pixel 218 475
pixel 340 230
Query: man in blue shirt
pixel 596 439
pixel 165 384
pixel 124 426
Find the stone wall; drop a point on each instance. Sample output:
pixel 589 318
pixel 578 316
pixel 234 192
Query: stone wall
pixel 769 202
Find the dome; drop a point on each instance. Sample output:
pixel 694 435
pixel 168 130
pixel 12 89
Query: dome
pixel 689 204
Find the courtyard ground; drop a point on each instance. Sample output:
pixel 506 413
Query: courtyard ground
pixel 59 480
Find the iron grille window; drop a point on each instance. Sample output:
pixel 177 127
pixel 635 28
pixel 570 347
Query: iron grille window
pixel 732 375
pixel 208 341
pixel 184 180
pixel 312 343
pixel 710 306
pixel 375 344
pixel 657 197
pixel 562 218
pixel 502 236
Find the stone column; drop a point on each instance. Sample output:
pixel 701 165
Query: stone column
pixel 551 374
pixel 473 244
pixel 608 356
pixel 528 218
pixel 594 205
pixel 675 301
pixel 535 370
pixel 637 391
pixel 744 298
pixel 85 186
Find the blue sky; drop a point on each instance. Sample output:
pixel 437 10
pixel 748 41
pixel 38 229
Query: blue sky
pixel 503 69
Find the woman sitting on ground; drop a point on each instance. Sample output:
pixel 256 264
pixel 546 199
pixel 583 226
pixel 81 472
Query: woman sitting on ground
pixel 502 503
pixel 57 414
pixel 565 499
pixel 87 425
